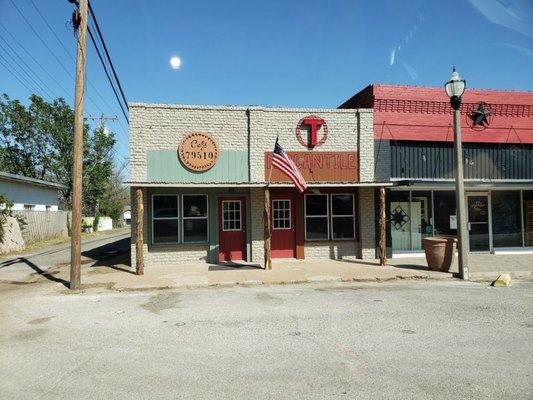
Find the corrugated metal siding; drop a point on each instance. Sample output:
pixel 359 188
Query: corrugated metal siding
pixel 434 160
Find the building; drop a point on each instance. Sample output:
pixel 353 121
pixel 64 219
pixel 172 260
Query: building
pixel 414 150
pixel 30 194
pixel 126 215
pixel 200 173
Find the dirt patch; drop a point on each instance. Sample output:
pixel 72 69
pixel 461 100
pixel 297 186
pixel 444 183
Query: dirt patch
pixel 30 334
pixel 40 320
pixel 162 301
pixel 268 299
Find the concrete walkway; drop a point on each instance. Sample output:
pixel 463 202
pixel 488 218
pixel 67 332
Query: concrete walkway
pixel 122 277
pixel 483 266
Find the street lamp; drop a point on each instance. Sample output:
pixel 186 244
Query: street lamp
pixel 455 88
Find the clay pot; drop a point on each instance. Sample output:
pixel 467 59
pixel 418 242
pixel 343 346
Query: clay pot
pixel 440 252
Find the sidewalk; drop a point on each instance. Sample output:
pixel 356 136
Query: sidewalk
pixel 483 267
pixel 120 277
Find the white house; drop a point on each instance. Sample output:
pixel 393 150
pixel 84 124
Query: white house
pixel 29 193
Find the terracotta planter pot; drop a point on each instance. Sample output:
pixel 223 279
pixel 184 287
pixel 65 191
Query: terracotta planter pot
pixel 440 252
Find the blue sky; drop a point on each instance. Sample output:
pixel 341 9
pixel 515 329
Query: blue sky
pixel 273 52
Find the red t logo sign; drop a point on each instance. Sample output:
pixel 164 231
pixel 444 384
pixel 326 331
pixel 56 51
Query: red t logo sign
pixel 314 123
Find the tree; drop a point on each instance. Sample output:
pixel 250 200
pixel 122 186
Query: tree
pixel 37 141
pixel 116 195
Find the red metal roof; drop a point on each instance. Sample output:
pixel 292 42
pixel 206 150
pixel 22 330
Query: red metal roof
pixel 424 114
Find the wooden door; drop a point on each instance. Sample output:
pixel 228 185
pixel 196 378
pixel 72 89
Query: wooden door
pixel 232 229
pixel 283 233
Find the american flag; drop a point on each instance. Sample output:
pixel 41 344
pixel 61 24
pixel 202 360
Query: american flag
pixel 281 161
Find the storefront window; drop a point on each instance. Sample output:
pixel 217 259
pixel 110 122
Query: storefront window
pixel 528 217
pixel 316 217
pixel 195 218
pixel 165 224
pixel 342 216
pixel 506 219
pixel 445 217
pixel 400 220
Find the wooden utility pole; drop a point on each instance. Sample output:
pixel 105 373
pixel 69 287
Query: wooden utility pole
pixel 382 228
pixel 268 256
pixel 139 248
pixel 80 21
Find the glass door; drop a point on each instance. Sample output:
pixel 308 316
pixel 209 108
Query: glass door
pixel 478 222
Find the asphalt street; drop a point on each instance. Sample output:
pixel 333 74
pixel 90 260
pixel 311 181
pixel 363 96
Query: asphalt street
pixel 407 339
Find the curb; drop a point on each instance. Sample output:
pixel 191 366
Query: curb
pixel 252 283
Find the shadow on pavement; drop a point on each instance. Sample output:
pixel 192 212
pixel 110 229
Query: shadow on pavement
pixel 110 254
pixel 232 266
pixel 44 274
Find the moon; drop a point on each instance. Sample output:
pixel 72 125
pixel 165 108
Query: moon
pixel 175 62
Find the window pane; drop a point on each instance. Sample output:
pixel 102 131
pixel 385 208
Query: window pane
pixel 165 231
pixel 444 209
pixel 316 228
pixel 342 204
pixel 195 230
pixel 422 221
pixel 506 220
pixel 342 227
pixel 195 206
pixel 316 204
pixel 165 206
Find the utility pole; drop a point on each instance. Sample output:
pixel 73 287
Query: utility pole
pixel 79 18
pixel 103 120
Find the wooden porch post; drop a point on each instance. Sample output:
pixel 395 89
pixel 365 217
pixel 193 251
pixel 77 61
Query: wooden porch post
pixel 268 258
pixel 382 227
pixel 139 248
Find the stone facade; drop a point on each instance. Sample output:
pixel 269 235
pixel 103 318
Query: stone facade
pixel 160 127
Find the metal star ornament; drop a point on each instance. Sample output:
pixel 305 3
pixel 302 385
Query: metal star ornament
pixel 481 116
pixel 398 218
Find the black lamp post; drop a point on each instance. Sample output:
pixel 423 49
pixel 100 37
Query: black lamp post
pixel 455 88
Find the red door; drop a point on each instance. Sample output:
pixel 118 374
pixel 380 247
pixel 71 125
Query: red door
pixel 283 243
pixel 232 228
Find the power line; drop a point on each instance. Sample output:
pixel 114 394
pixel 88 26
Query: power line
pixel 69 54
pixel 38 80
pixel 50 51
pixel 107 74
pixel 14 75
pixel 14 65
pixel 107 54
pixel 37 62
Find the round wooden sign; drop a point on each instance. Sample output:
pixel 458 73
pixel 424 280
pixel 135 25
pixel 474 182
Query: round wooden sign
pixel 198 151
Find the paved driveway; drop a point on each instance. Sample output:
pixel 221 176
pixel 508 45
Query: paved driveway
pixel 28 266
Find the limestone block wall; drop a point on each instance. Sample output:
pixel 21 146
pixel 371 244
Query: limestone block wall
pixel 162 126
pixel 268 123
pixel 367 223
pixel 257 200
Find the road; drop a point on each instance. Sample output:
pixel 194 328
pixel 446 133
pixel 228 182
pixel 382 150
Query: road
pixel 407 339
pixel 27 266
